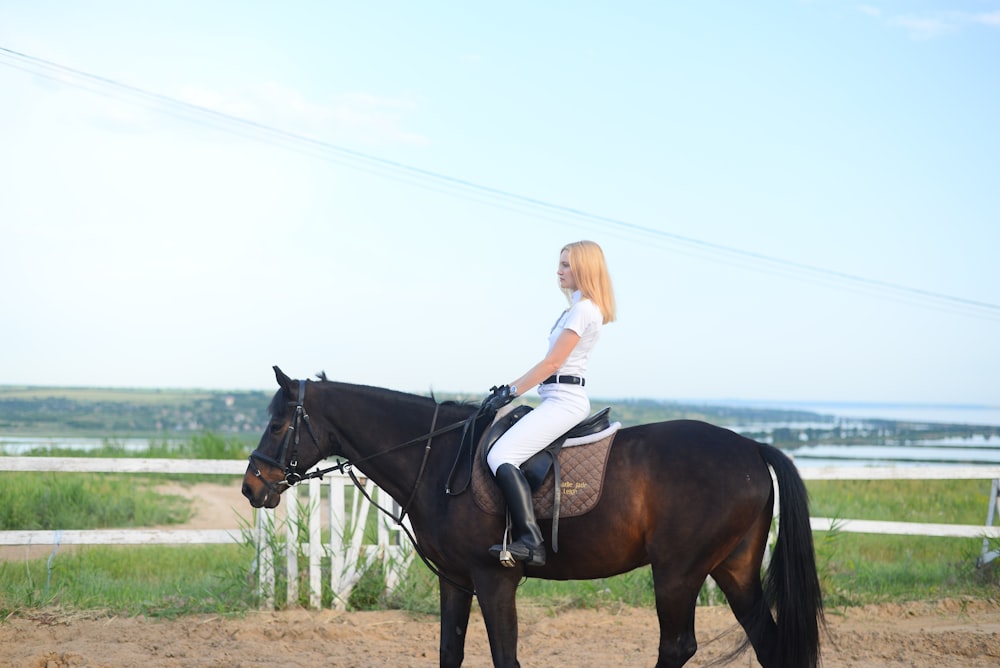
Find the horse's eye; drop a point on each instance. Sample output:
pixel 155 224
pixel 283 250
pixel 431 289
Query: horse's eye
pixel 275 428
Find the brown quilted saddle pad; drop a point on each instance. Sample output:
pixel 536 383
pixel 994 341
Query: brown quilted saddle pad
pixel 582 471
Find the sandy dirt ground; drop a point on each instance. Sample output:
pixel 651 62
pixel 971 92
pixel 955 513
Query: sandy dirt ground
pixel 919 635
pixel 935 634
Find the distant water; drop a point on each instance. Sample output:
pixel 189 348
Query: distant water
pixel 975 450
pixel 934 413
pixel 18 445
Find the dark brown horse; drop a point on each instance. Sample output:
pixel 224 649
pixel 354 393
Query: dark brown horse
pixel 690 499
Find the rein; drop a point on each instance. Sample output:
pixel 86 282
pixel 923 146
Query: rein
pixel 293 477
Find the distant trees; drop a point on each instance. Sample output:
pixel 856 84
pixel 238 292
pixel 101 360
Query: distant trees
pixel 139 413
pixel 178 413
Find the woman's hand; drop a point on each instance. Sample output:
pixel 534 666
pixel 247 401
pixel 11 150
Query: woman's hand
pixel 499 397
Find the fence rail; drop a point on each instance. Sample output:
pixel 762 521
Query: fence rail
pixel 124 465
pixel 348 555
pixel 347 551
pixel 985 531
pixel 120 537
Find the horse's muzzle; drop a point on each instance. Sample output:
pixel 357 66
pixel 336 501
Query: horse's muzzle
pixel 258 494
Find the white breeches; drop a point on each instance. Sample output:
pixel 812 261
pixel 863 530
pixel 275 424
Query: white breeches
pixel 562 408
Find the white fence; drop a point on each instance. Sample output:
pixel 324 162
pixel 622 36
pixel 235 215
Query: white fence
pixel 985 531
pixel 348 523
pixel 348 517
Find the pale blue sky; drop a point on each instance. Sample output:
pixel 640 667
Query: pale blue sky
pixel 146 244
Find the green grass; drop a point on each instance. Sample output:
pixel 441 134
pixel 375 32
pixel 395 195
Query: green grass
pixel 50 501
pixel 928 501
pixel 629 589
pixel 149 580
pixel 855 569
pixel 858 569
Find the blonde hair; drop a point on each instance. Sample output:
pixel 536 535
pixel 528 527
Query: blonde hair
pixel 590 272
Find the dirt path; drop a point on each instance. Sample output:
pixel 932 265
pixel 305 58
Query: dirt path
pixel 920 635
pixel 217 506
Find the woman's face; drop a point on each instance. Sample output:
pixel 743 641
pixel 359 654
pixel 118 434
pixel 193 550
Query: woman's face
pixel 566 279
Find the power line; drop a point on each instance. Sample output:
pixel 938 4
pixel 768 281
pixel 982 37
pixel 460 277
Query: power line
pixel 459 187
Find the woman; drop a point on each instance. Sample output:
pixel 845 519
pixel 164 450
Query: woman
pixel 561 377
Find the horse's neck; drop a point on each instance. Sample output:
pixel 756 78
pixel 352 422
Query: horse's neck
pixel 375 426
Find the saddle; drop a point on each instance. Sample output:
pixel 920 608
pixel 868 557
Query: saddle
pixel 573 465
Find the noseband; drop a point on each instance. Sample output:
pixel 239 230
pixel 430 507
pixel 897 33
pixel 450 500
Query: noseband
pixel 291 438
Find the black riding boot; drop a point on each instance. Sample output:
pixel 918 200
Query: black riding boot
pixel 526 545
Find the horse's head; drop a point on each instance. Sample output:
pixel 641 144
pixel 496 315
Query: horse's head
pixel 288 448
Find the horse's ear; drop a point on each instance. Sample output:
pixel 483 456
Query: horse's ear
pixel 284 381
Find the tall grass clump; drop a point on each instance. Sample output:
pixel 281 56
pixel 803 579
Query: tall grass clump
pixel 154 580
pixel 206 445
pixel 51 501
pixel 367 571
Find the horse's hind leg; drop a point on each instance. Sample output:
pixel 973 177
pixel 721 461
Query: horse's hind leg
pixel 747 603
pixel 738 576
pixel 456 606
pixel 675 605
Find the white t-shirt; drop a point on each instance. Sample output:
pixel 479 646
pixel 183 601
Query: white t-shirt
pixel 584 318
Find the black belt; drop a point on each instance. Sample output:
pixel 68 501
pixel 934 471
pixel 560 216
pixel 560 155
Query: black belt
pixel 566 380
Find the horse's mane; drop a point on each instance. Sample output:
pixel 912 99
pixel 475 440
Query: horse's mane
pixel 279 404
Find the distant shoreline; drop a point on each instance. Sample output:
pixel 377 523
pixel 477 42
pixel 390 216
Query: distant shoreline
pixel 171 413
pixel 971 414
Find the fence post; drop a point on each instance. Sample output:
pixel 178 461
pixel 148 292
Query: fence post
pixel 315 546
pixel 989 555
pixel 337 520
pixel 292 547
pixel 265 557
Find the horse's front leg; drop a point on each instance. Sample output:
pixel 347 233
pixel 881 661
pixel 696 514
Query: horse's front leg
pixel 456 604
pixel 496 589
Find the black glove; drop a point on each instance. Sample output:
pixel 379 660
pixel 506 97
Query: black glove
pixel 499 397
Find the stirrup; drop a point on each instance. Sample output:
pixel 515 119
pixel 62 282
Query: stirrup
pixel 529 555
pixel 502 553
pixel 507 559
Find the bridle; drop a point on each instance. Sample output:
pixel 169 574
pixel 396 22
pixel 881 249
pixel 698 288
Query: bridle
pixel 292 476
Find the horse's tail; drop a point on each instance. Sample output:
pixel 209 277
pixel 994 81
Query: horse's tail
pixel 791 584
